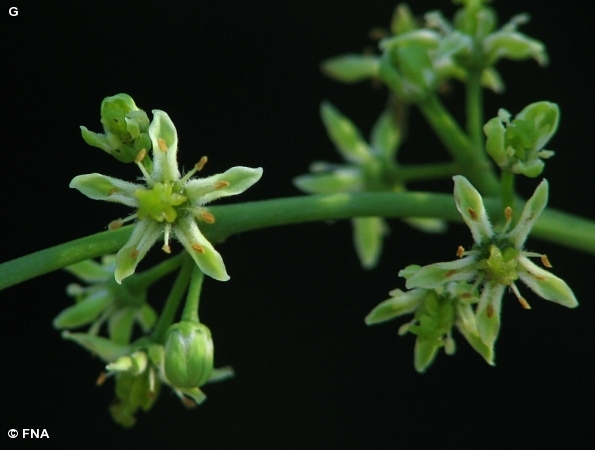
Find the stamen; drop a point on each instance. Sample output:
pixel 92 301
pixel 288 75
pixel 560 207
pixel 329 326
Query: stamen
pixel 188 403
pixel 139 157
pixel 200 164
pixel 221 184
pixel 115 224
pixel 472 213
pixel 460 251
pixel 166 248
pixel 207 216
pixel 198 248
pixel 546 262
pixel 162 144
pixel 524 303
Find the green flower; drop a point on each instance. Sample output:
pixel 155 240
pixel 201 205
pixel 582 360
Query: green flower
pixel 105 301
pixel 367 168
pixel 167 203
pixel 496 261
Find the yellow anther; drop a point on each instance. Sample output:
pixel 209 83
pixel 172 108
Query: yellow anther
pixel 162 144
pixel 221 184
pixel 166 248
pixel 460 251
pixel 207 216
pixel 524 303
pixel 140 155
pixel 200 164
pixel 546 262
pixel 198 248
pixel 115 224
pixel 508 213
pixel 101 379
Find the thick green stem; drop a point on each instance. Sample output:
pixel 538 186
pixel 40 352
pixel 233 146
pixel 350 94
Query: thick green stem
pixel 190 313
pixel 554 226
pixel 474 108
pixel 472 160
pixel 173 301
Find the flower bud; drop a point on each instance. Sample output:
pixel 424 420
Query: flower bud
pixel 188 355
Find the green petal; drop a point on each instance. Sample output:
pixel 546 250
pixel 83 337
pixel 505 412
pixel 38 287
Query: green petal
pixel 101 187
pixel 434 275
pixel 487 315
pixel 477 344
pixel 546 284
pixel 96 140
pixel 165 163
pixel 350 68
pixel 470 205
pixel 386 136
pixel 83 312
pixel 231 182
pixel 146 317
pixel 207 258
pixel 340 180
pixel 400 303
pixel 344 134
pixel 120 325
pixel 530 214
pixel 104 348
pixel 143 237
pixel 513 45
pixel 90 271
pixel 424 353
pixel 368 234
pixel 427 224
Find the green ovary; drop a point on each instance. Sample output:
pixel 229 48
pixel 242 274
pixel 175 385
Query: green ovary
pixel 500 266
pixel 159 202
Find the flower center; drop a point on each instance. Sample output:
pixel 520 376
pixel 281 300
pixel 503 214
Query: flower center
pixel 500 265
pixel 159 202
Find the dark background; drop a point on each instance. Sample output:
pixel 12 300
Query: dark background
pixel 241 82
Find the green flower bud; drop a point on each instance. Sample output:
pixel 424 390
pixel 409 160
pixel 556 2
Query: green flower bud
pixel 83 312
pixel 351 68
pixel 133 392
pixel 189 352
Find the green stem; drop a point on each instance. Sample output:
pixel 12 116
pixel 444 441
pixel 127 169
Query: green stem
pixel 472 161
pixel 190 313
pixel 145 279
pixel 554 226
pixel 173 300
pixel 474 108
pixel 507 186
pixel 424 172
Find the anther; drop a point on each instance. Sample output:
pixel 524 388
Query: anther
pixel 460 251
pixel 524 303
pixel 508 213
pixel 115 224
pixel 472 213
pixel 198 248
pixel 162 144
pixel 200 164
pixel 101 379
pixel 207 216
pixel 166 248
pixel 546 262
pixel 140 156
pixel 221 184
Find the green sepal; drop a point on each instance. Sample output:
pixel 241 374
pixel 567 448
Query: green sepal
pixel 101 187
pixel 403 20
pixel 83 312
pixel 189 354
pixel 531 212
pixel 386 136
pixel 96 140
pixel 134 364
pixel 90 271
pixel 425 352
pixel 165 162
pixel 351 68
pixel 146 317
pixel 546 284
pixel 345 179
pixel 400 303
pixel 515 46
pixel 344 134
pixel 120 325
pixel 438 274
pixel 495 141
pixel 106 349
pixel 487 315
pixel 470 205
pixel 368 235
pixel 201 191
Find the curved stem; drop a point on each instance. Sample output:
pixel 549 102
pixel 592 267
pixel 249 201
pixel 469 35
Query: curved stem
pixel 474 108
pixel 554 226
pixel 507 186
pixel 190 313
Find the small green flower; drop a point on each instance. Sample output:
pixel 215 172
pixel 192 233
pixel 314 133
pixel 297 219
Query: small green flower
pixel 167 203
pixel 496 261
pixel 105 301
pixel 368 168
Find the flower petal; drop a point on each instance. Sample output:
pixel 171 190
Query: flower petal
pixel 165 147
pixel 488 312
pixel 205 256
pixel 368 233
pixel 400 303
pixel 101 187
pixel 531 212
pixel 546 284
pixel 470 205
pixel 434 275
pixel 143 237
pixel 231 182
pixel 424 353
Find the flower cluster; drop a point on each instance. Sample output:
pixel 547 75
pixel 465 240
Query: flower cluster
pixel 168 203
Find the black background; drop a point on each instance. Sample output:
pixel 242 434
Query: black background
pixel 241 82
